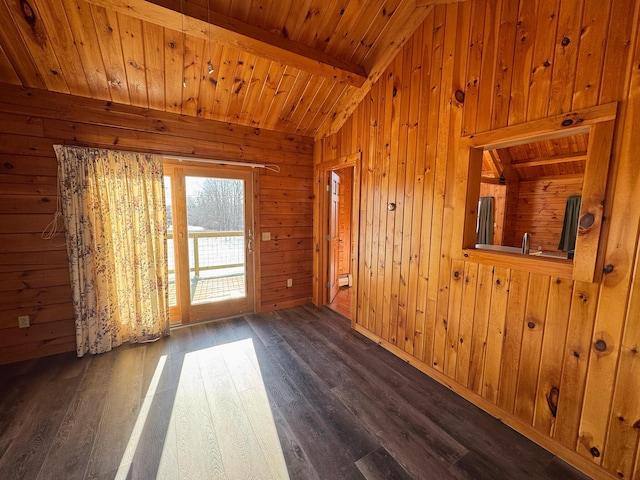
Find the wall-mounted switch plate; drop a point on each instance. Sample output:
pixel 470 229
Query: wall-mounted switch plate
pixel 266 236
pixel 23 321
pixel 289 282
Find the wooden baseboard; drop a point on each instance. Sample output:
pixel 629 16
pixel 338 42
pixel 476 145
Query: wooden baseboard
pixel 268 307
pixel 569 456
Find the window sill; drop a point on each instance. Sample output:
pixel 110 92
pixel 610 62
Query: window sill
pixel 556 267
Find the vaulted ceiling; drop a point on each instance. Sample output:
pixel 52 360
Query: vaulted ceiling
pixel 548 158
pixel 299 66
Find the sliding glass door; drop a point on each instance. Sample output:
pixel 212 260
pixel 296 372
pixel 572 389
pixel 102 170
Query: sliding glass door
pixel 210 236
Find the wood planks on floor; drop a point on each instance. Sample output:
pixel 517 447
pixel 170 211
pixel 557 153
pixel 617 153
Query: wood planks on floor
pixel 342 302
pixel 288 394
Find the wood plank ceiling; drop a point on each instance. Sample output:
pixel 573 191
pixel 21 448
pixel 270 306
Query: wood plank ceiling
pixel 298 66
pixel 550 158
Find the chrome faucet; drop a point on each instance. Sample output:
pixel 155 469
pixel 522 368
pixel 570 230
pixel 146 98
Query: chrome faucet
pixel 526 240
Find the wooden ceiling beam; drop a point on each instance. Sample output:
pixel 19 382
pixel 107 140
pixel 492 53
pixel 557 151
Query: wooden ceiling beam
pixel 402 25
pixel 537 162
pixel 491 180
pixel 494 162
pixel 505 165
pixel 228 31
pixel 426 3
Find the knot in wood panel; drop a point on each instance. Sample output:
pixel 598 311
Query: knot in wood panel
pixel 608 268
pixel 28 14
pixel 594 451
pixel 587 220
pixel 552 400
pixel 459 96
pixel 621 261
pixel 600 345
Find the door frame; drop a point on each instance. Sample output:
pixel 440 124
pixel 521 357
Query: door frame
pixel 185 313
pixel 334 235
pixel 321 175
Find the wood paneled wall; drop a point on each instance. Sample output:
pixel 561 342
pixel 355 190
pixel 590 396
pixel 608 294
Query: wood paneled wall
pixel 34 278
pixel 541 206
pixel 286 211
pixel 556 359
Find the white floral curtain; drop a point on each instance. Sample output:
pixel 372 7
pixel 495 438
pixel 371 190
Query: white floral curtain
pixel 115 220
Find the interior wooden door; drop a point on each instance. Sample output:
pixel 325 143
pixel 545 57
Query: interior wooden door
pixel 346 193
pixel 334 237
pixel 210 236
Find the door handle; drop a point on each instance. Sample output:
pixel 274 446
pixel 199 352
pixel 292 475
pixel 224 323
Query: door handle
pixel 250 242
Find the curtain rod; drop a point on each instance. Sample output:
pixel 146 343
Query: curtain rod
pixel 274 168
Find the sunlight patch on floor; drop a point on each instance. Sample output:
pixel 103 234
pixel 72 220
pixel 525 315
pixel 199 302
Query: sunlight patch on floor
pixel 138 428
pixel 221 424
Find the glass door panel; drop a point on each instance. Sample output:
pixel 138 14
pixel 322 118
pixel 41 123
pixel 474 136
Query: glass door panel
pixel 171 259
pixel 215 218
pixel 209 241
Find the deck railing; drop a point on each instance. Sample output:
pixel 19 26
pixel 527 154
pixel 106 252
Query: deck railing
pixel 211 251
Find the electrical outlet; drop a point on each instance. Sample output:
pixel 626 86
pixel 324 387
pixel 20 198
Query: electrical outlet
pixel 266 236
pixel 23 321
pixel 289 282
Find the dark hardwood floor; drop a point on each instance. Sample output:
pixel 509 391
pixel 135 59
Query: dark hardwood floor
pixel 293 393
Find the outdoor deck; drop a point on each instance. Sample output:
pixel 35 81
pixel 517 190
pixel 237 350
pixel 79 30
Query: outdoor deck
pixel 212 289
pixel 216 264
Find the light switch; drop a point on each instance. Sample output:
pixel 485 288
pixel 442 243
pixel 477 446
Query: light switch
pixel 266 236
pixel 23 321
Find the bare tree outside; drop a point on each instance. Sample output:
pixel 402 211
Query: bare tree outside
pixel 218 206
